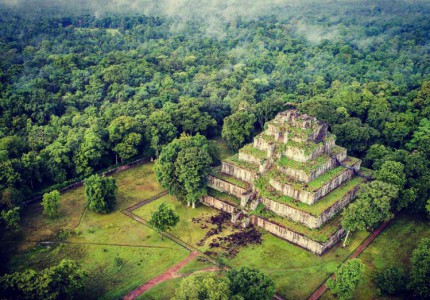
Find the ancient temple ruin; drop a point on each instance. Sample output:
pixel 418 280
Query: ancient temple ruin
pixel 293 181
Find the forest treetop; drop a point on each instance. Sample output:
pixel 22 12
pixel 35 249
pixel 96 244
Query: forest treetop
pixel 81 89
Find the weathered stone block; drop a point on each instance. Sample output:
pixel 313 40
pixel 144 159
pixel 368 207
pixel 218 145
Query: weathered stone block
pixel 238 172
pixel 305 155
pixel 249 158
pixel 301 175
pixel 224 186
pixel 218 204
pixel 312 197
pixel 305 218
pixel 297 238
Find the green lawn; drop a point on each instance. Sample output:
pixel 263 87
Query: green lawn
pixel 296 272
pixel 393 247
pixel 100 238
pixel 162 291
pixel 186 230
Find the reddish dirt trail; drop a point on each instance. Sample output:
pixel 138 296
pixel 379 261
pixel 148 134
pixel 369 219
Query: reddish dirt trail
pixel 323 288
pixel 168 274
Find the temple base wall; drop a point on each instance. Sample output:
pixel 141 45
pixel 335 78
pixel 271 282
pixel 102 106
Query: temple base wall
pixel 218 204
pixel 297 238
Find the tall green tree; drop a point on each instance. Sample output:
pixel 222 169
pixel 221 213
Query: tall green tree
pixel 392 172
pixel 90 153
pixel 57 157
pixel 164 218
pixel 428 208
pixel 183 166
pixel 421 138
pixel 348 276
pixel 373 205
pixel 422 100
pixel 51 203
pixel 59 282
pixel 125 137
pixel 391 280
pixel 238 129
pixel 11 218
pixel 250 284
pixel 419 282
pixel 160 130
pixel 204 286
pixel 355 135
pixel 31 164
pixel 100 193
pixel 189 116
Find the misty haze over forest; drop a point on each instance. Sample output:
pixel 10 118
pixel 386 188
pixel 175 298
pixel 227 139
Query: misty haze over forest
pixel 218 15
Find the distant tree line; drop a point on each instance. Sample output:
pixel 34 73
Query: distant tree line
pixel 80 93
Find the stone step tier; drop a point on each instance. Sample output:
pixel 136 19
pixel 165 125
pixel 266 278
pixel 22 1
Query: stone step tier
pixel 241 170
pixel 313 216
pixel 298 151
pixel 301 171
pixel 284 132
pixel 314 190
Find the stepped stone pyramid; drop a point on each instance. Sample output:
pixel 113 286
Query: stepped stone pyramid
pixel 293 181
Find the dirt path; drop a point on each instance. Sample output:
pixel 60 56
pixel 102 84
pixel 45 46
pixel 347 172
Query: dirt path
pixel 323 288
pixel 168 274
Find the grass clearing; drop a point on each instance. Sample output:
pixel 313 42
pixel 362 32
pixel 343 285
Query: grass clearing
pixel 164 290
pixel 296 272
pixel 99 239
pixel 393 247
pixel 186 230
pixel 107 278
pixel 37 227
pixel 195 265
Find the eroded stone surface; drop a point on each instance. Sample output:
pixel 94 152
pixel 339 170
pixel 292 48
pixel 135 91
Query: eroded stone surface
pixel 224 186
pixel 302 139
pixel 238 172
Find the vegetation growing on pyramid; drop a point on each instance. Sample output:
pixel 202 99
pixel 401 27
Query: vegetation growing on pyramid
pixel 298 180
